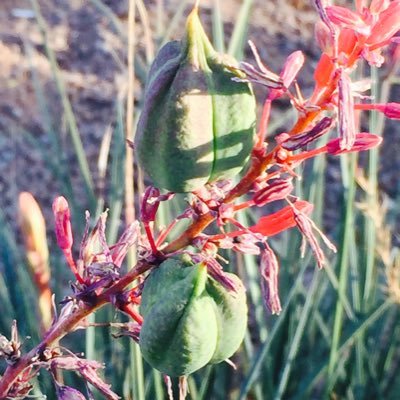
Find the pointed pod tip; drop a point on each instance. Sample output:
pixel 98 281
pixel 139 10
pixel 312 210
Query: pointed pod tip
pixel 193 17
pixel 200 278
pixel 198 44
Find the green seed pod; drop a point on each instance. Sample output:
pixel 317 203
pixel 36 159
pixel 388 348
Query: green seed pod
pixel 197 125
pixel 190 319
pixel 231 312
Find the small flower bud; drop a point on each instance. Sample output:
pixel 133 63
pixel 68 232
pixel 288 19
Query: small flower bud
pixel 392 110
pixel 363 141
pixel 149 204
pixel 34 232
pixel 63 223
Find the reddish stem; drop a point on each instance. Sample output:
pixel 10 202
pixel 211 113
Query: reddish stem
pixel 233 234
pixel 150 236
pixel 262 131
pixel 241 206
pixel 72 265
pixel 130 310
pixel 308 154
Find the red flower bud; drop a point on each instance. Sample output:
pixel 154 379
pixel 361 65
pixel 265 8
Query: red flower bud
pixel 363 141
pixel 63 223
pixel 392 110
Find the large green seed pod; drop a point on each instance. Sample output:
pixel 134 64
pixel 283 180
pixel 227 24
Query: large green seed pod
pixel 197 125
pixel 190 319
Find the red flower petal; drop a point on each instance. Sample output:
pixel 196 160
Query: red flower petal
pixel 346 18
pixel 324 70
pixel 387 26
pixel 281 220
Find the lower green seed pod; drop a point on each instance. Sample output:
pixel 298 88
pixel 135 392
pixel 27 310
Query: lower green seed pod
pixel 190 319
pixel 231 312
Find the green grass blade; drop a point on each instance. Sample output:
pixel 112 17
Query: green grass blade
pixel 322 369
pixel 372 198
pixel 175 20
pixel 69 114
pixel 299 333
pixel 218 27
pixel 238 38
pixel 257 362
pixel 343 263
pixel 116 197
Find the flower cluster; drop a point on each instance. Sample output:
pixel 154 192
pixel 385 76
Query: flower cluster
pixel 345 38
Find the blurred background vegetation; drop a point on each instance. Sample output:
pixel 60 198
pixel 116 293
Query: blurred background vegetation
pixel 71 77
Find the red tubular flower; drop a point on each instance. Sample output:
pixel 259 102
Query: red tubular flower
pixel 281 220
pixel 324 69
pixel 373 28
pixel 347 46
pixel 323 36
pixel 149 204
pixel 391 110
pixel 323 75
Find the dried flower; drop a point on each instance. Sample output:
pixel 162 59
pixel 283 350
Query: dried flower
pixel 68 393
pixel 300 140
pixel 10 349
pixel 88 370
pixel 269 268
pixel 277 189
